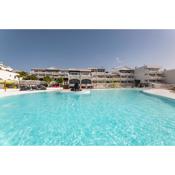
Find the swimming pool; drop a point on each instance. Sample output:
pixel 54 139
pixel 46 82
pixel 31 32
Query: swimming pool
pixel 102 117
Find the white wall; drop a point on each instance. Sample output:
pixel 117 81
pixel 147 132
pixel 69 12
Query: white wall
pixel 6 75
pixel 170 76
pixel 139 74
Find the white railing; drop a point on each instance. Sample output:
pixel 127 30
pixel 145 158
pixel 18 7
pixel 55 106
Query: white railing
pixel 74 76
pixel 155 72
pixel 84 76
pixel 155 78
pixel 126 74
pixel 127 79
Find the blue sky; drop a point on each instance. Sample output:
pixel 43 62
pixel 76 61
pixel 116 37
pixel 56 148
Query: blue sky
pixel 26 49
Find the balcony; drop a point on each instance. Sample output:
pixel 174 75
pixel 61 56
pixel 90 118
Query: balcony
pixel 126 74
pixel 74 76
pixel 98 79
pixel 127 79
pixel 155 77
pixel 160 78
pixel 155 72
pixel 63 75
pixel 98 73
pixel 105 79
pixel 88 76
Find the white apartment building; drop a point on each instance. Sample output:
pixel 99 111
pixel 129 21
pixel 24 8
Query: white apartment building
pixel 80 76
pixel 40 73
pixel 98 75
pixel 126 75
pixel 101 78
pixel 7 73
pixel 149 74
pixel 170 76
pixel 70 76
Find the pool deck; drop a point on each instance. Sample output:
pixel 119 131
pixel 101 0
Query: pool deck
pixel 12 92
pixel 161 92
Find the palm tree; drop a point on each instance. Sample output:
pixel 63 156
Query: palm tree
pixel 60 80
pixel 22 74
pixel 47 79
pixel 30 77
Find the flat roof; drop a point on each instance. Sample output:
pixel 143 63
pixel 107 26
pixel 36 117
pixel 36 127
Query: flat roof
pixel 149 66
pixel 79 69
pixel 153 66
pixel 69 69
pixel 50 68
pixel 123 68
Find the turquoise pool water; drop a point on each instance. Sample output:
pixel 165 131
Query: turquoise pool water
pixel 103 117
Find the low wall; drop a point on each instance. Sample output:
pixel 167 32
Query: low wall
pixel 110 85
pixel 162 86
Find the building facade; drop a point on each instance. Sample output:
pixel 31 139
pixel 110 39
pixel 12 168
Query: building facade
pixel 100 78
pixel 80 76
pixel 40 73
pixel 125 74
pixel 170 76
pixel 104 79
pixel 7 73
pixel 149 74
pixel 98 75
pixel 70 76
pixel 87 78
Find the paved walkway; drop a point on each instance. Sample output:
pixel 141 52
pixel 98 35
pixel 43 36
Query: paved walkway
pixel 161 92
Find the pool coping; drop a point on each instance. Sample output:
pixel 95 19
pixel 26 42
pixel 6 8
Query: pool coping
pixel 16 92
pixel 160 93
pixel 156 92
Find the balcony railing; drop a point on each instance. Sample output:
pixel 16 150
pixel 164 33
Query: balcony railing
pixel 155 72
pixel 88 76
pixel 127 79
pixel 126 74
pixel 74 76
